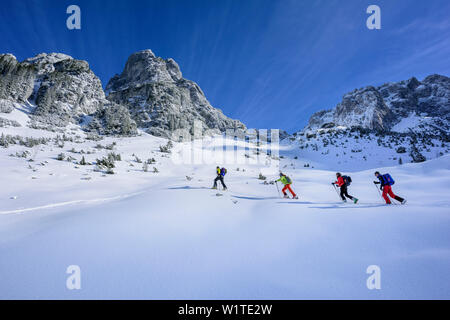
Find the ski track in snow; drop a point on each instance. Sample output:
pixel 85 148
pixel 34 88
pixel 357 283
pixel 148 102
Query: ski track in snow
pixel 68 203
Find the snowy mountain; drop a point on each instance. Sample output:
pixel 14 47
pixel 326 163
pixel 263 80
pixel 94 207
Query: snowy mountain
pixel 57 90
pixel 161 100
pixel 384 107
pixel 406 121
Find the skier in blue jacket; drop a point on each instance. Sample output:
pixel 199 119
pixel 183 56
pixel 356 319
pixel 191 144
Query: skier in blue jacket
pixel 385 186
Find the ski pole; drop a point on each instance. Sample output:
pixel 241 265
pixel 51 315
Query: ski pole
pixel 377 189
pixel 392 200
pixel 279 194
pixel 335 189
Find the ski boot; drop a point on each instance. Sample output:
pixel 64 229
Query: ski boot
pixel 296 197
pixel 224 189
pixel 404 201
pixel 355 200
pixel 286 196
pixel 214 188
pixel 345 200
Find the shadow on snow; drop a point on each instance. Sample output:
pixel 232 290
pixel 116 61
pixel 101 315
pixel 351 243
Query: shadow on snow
pixel 188 188
pixel 255 198
pixel 357 206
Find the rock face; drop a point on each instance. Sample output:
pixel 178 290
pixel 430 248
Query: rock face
pixel 383 107
pixel 62 90
pixel 16 80
pixel 112 119
pixel 161 100
pixel 69 91
pixel 364 107
pixel 406 121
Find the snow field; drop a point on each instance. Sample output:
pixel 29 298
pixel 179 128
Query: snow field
pixel 139 235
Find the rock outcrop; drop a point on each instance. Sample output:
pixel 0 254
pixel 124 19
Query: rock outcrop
pixel 61 90
pixel 16 79
pixel 382 108
pixel 161 100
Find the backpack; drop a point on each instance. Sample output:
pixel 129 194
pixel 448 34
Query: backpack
pixel 347 180
pixel 289 181
pixel 388 179
pixel 223 172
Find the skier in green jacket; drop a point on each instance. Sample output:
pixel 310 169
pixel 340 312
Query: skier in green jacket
pixel 284 179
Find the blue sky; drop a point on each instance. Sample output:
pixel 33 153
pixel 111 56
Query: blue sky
pixel 268 63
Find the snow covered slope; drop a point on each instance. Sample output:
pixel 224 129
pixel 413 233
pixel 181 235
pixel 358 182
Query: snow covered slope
pixel 359 149
pixel 165 234
pixel 398 122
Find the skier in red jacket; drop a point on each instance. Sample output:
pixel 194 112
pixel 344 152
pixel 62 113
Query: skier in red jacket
pixel 342 184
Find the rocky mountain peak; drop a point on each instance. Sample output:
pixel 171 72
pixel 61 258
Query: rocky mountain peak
pixel 144 67
pixel 44 62
pixel 437 79
pixel 363 107
pixel 62 90
pixel 385 106
pixel 413 83
pixel 52 57
pixel 160 99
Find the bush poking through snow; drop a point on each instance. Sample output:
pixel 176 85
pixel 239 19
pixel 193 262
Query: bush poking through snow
pixel 61 156
pixel 113 119
pixel 29 142
pixel 106 162
pixel 166 148
pixel 155 170
pixel 6 106
pixel 115 156
pixel 83 161
pixel 6 123
pixel 145 167
pixel 261 177
pixel 110 146
pixel 401 150
pixel 416 155
pixel 24 154
pixel 93 137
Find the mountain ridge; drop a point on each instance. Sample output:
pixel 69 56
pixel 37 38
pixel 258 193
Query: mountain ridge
pixel 160 100
pixel 60 90
pixel 382 107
